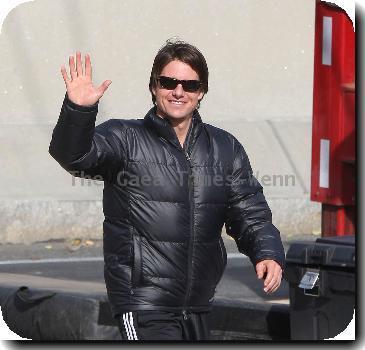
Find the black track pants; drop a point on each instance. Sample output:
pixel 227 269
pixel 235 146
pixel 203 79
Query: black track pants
pixel 160 325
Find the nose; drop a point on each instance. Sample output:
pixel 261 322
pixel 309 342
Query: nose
pixel 178 91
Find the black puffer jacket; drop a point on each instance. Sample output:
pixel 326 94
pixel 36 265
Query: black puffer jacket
pixel 165 205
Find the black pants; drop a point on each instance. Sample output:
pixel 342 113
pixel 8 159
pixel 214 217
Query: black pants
pixel 161 325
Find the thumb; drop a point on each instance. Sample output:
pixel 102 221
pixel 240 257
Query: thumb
pixel 260 270
pixel 102 88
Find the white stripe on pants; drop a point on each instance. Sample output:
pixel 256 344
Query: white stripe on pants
pixel 129 326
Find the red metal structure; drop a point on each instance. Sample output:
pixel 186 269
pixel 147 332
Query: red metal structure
pixel 333 178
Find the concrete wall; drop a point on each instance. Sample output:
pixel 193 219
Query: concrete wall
pixel 260 57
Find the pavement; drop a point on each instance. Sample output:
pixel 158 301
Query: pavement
pixel 77 266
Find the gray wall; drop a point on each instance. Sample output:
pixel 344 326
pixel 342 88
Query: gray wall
pixel 260 57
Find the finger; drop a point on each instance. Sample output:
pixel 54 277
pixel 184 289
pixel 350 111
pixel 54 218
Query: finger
pixel 260 270
pixel 102 88
pixel 275 287
pixel 64 75
pixel 271 284
pixel 88 68
pixel 71 63
pixel 272 290
pixel 273 268
pixel 269 275
pixel 78 63
pixel 275 283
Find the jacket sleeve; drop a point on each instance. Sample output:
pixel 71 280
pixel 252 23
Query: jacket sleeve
pixel 83 149
pixel 248 216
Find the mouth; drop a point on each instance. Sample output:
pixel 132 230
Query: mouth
pixel 176 102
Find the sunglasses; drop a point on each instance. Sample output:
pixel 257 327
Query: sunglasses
pixel 171 84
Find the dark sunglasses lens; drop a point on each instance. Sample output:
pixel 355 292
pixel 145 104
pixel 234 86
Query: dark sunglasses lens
pixel 191 85
pixel 167 83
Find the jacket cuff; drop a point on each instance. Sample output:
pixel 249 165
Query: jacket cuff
pixel 79 115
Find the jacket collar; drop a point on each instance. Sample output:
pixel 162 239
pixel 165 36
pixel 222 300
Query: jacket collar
pixel 164 129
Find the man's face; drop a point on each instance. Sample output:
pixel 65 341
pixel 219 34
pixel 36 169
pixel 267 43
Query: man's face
pixel 177 104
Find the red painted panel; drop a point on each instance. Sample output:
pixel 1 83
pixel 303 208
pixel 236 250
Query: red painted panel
pixel 334 108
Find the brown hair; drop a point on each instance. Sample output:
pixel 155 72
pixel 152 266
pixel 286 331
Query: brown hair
pixel 180 51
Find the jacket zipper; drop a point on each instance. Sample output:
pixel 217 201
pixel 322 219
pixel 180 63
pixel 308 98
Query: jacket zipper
pixel 192 208
pixel 191 241
pixel 185 315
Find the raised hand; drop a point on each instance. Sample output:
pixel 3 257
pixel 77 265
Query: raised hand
pixel 79 86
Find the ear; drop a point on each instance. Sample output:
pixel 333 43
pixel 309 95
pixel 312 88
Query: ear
pixel 201 94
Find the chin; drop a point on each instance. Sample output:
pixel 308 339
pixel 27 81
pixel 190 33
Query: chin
pixel 173 114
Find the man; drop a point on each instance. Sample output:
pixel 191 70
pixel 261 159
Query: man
pixel 170 183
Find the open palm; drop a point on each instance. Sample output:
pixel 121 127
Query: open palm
pixel 79 85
